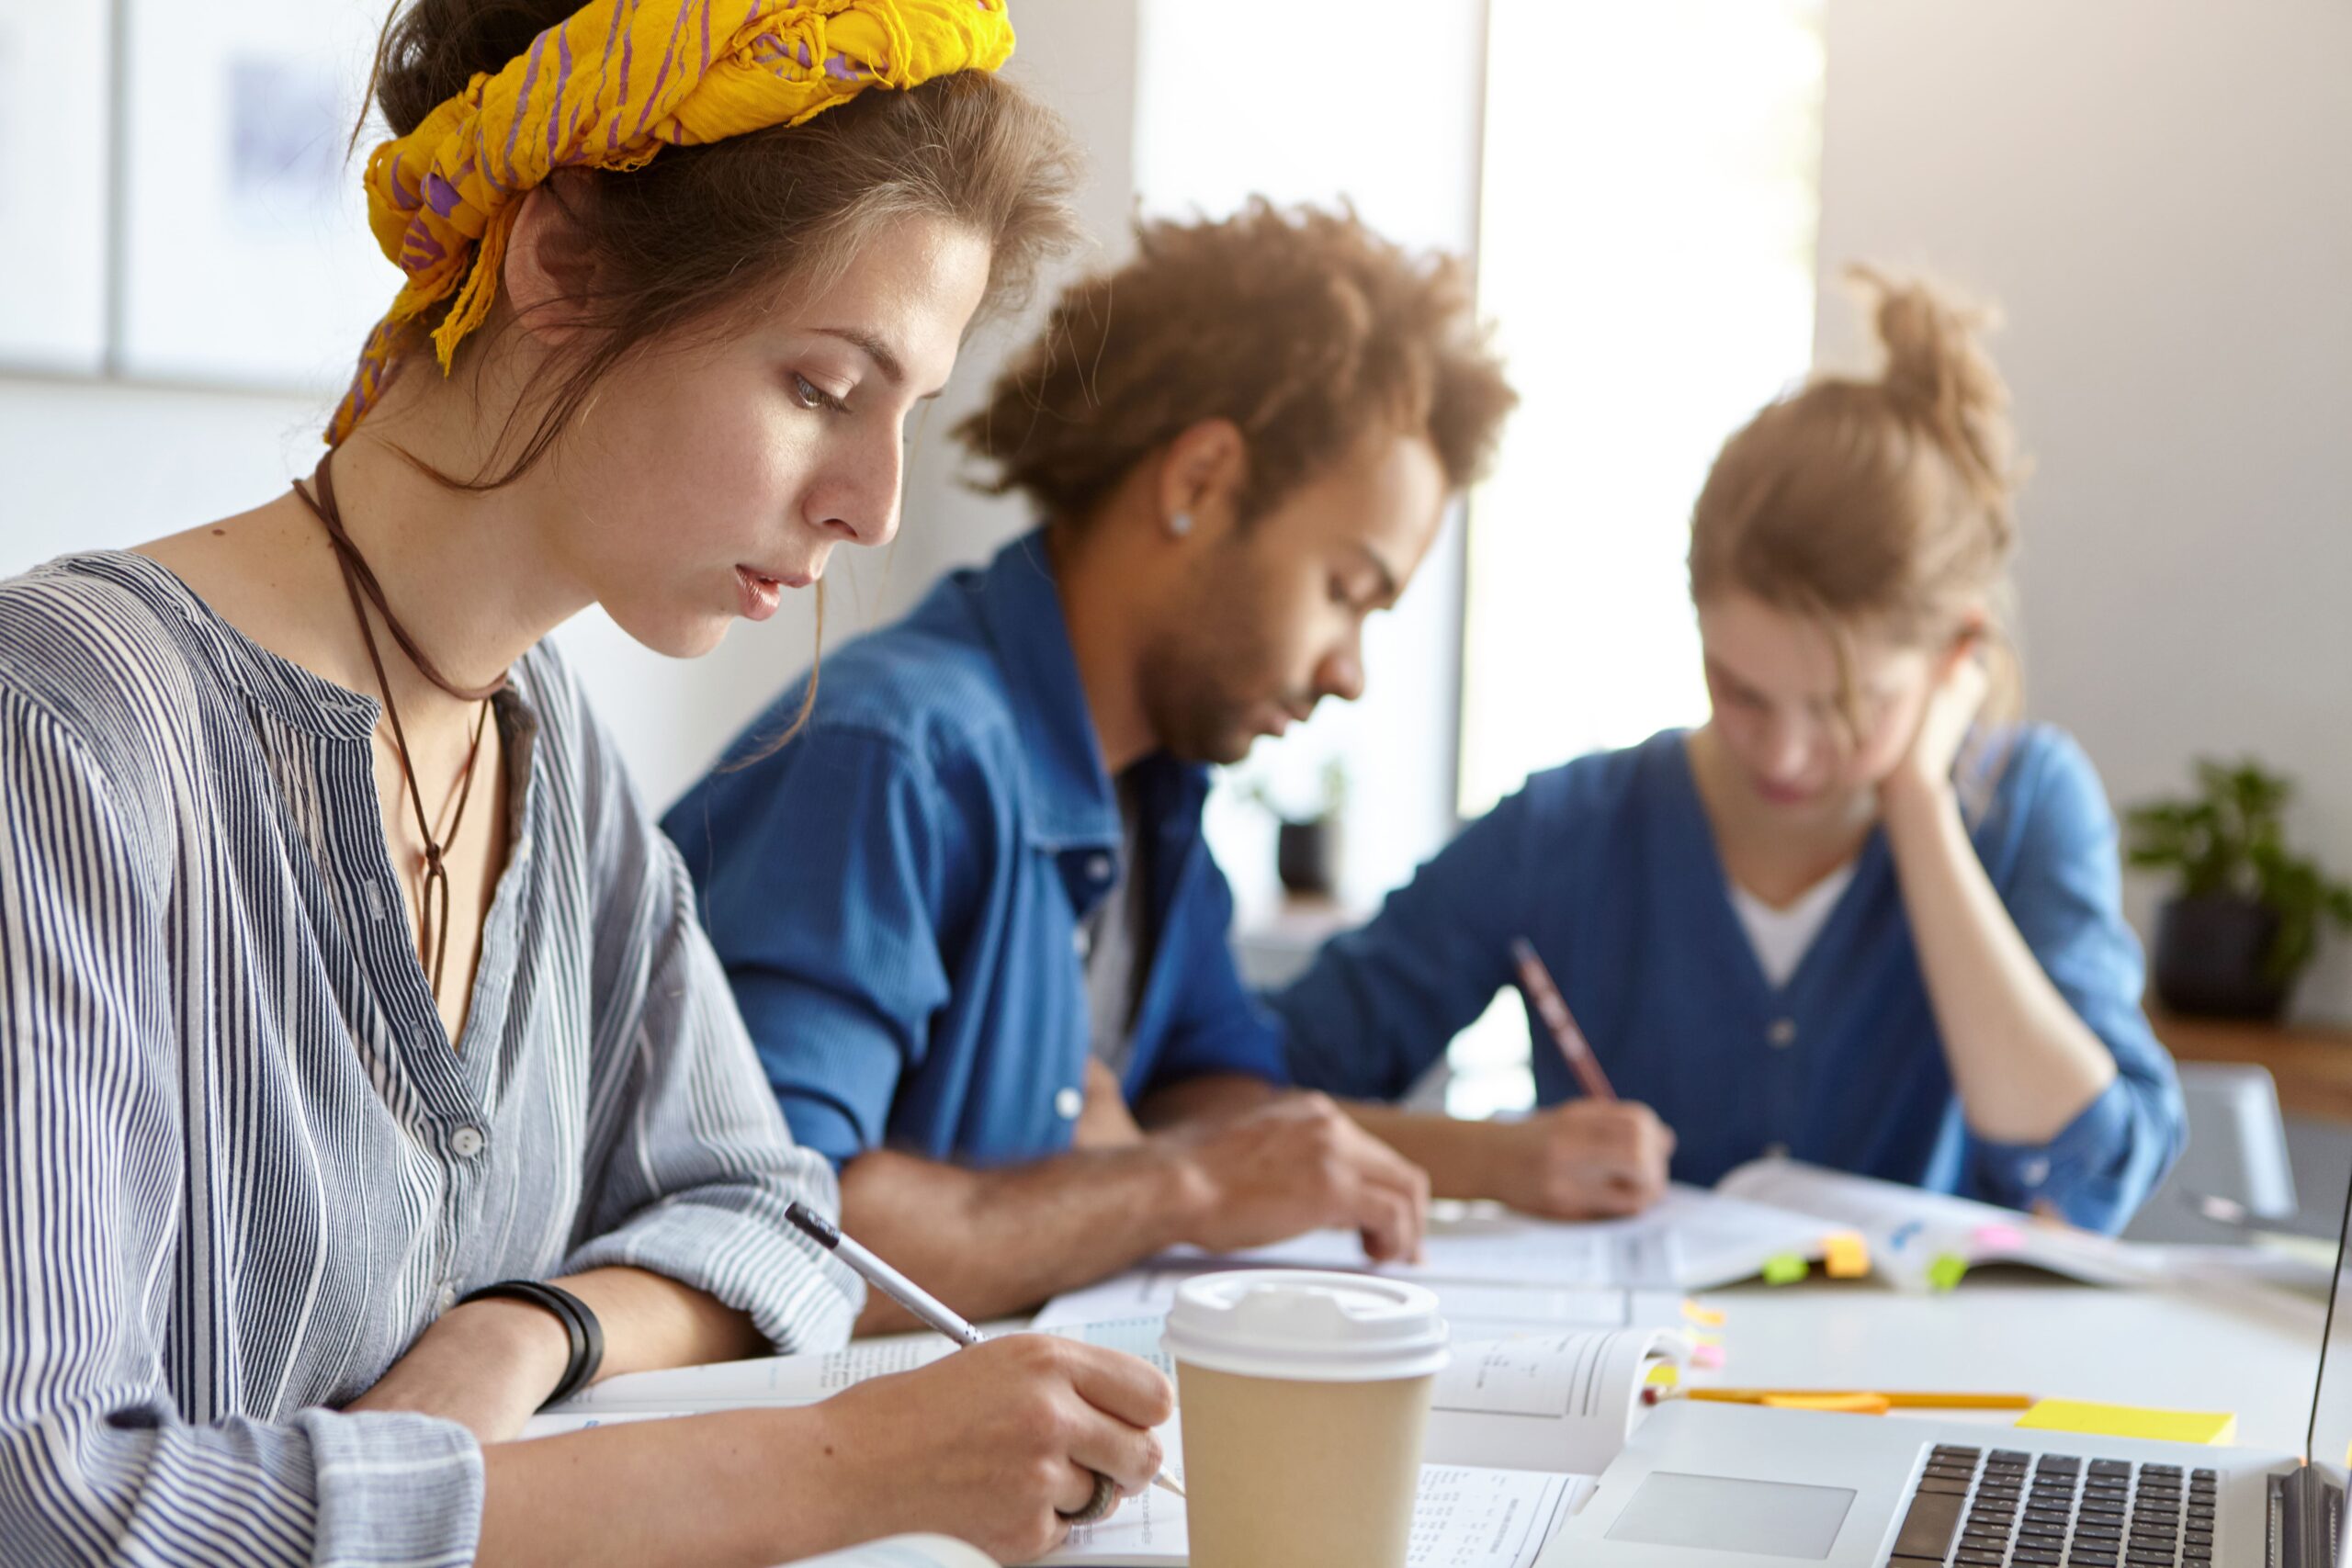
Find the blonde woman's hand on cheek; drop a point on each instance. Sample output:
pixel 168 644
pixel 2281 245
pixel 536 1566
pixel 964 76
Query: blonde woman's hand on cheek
pixel 1962 684
pixel 993 1444
pixel 1586 1159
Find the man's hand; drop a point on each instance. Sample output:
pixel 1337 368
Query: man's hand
pixel 1294 1164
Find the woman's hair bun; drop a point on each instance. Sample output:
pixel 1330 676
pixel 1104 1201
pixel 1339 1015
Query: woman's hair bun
pixel 1937 368
pixel 431 48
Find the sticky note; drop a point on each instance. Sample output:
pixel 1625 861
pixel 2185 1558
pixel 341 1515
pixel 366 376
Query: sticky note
pixel 1846 1255
pixel 1704 1317
pixel 2001 1238
pixel 1785 1270
pixel 1708 1356
pixel 1664 1374
pixel 1946 1270
pixel 2131 1421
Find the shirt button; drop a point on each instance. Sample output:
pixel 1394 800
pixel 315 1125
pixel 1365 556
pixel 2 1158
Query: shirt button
pixel 1067 1103
pixel 2035 1172
pixel 466 1142
pixel 446 1300
pixel 1776 1151
pixel 1782 1034
pixel 1098 868
pixel 1081 942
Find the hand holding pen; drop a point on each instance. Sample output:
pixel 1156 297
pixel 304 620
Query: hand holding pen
pixel 931 1313
pixel 1594 1158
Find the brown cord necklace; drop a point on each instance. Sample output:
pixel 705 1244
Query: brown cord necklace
pixel 432 937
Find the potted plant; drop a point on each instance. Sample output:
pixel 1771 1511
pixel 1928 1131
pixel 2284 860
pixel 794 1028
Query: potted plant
pixel 2246 915
pixel 1306 851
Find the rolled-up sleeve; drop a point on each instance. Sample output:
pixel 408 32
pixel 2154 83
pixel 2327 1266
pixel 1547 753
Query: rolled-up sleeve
pixel 824 878
pixel 2064 893
pixel 690 1165
pixel 96 1464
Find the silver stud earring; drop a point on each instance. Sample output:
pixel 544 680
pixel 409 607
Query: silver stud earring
pixel 1180 523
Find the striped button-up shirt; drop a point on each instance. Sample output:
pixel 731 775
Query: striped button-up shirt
pixel 242 1166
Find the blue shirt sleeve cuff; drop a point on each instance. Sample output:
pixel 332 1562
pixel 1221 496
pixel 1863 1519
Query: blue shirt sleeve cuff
pixel 2078 1171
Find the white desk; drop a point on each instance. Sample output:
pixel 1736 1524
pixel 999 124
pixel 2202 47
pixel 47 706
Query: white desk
pixel 2008 1332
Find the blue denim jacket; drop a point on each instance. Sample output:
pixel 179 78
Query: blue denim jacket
pixel 898 893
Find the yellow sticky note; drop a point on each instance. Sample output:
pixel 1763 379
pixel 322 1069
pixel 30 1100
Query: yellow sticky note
pixel 2131 1421
pixel 1704 1317
pixel 1663 1374
pixel 1845 1254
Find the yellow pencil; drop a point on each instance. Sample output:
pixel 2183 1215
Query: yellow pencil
pixel 1850 1399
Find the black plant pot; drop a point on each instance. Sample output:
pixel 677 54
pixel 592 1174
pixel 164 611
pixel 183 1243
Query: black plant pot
pixel 2213 955
pixel 1306 857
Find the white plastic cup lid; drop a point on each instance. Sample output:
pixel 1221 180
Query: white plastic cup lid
pixel 1306 1326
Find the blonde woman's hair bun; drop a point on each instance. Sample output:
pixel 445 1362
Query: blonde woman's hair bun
pixel 1938 370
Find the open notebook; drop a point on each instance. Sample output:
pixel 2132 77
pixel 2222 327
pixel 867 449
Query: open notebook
pixel 1920 1240
pixel 1464 1517
pixel 1513 1426
pixel 1499 1271
pixel 1491 1264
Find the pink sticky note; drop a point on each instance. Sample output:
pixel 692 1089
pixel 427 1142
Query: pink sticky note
pixel 1710 1356
pixel 2001 1238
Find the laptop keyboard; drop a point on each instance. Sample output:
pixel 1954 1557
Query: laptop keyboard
pixel 1978 1510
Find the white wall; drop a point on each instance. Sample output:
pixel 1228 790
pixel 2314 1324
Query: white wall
pixel 2159 193
pixel 1081 56
pixel 87 464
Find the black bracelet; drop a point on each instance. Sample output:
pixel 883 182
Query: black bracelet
pixel 579 1327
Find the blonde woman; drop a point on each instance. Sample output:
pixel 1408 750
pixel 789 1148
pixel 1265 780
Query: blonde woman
pixel 1862 916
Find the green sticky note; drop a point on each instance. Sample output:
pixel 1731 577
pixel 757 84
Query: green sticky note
pixel 1946 1270
pixel 1785 1270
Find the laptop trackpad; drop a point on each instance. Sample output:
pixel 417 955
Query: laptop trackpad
pixel 1715 1512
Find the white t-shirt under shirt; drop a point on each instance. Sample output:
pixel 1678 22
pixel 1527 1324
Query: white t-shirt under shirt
pixel 1781 937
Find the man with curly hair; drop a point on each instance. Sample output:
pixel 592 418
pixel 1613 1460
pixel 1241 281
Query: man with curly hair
pixel 967 910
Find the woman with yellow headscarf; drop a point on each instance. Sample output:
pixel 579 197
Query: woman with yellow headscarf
pixel 367 1080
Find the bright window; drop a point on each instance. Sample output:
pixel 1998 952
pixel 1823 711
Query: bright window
pixel 1646 247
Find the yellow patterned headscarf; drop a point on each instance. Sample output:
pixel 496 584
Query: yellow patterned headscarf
pixel 607 90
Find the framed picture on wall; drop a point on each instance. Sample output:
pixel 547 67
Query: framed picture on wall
pixel 54 157
pixel 246 257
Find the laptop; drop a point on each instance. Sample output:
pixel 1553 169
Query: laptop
pixel 1704 1485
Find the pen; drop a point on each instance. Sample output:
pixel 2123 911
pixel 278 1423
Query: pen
pixel 926 1308
pixel 1536 981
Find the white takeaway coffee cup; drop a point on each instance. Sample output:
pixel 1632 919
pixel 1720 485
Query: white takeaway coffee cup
pixel 1305 1396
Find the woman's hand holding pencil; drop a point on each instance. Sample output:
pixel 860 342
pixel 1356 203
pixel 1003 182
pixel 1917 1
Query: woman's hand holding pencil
pixel 1583 1160
pixel 1590 1159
